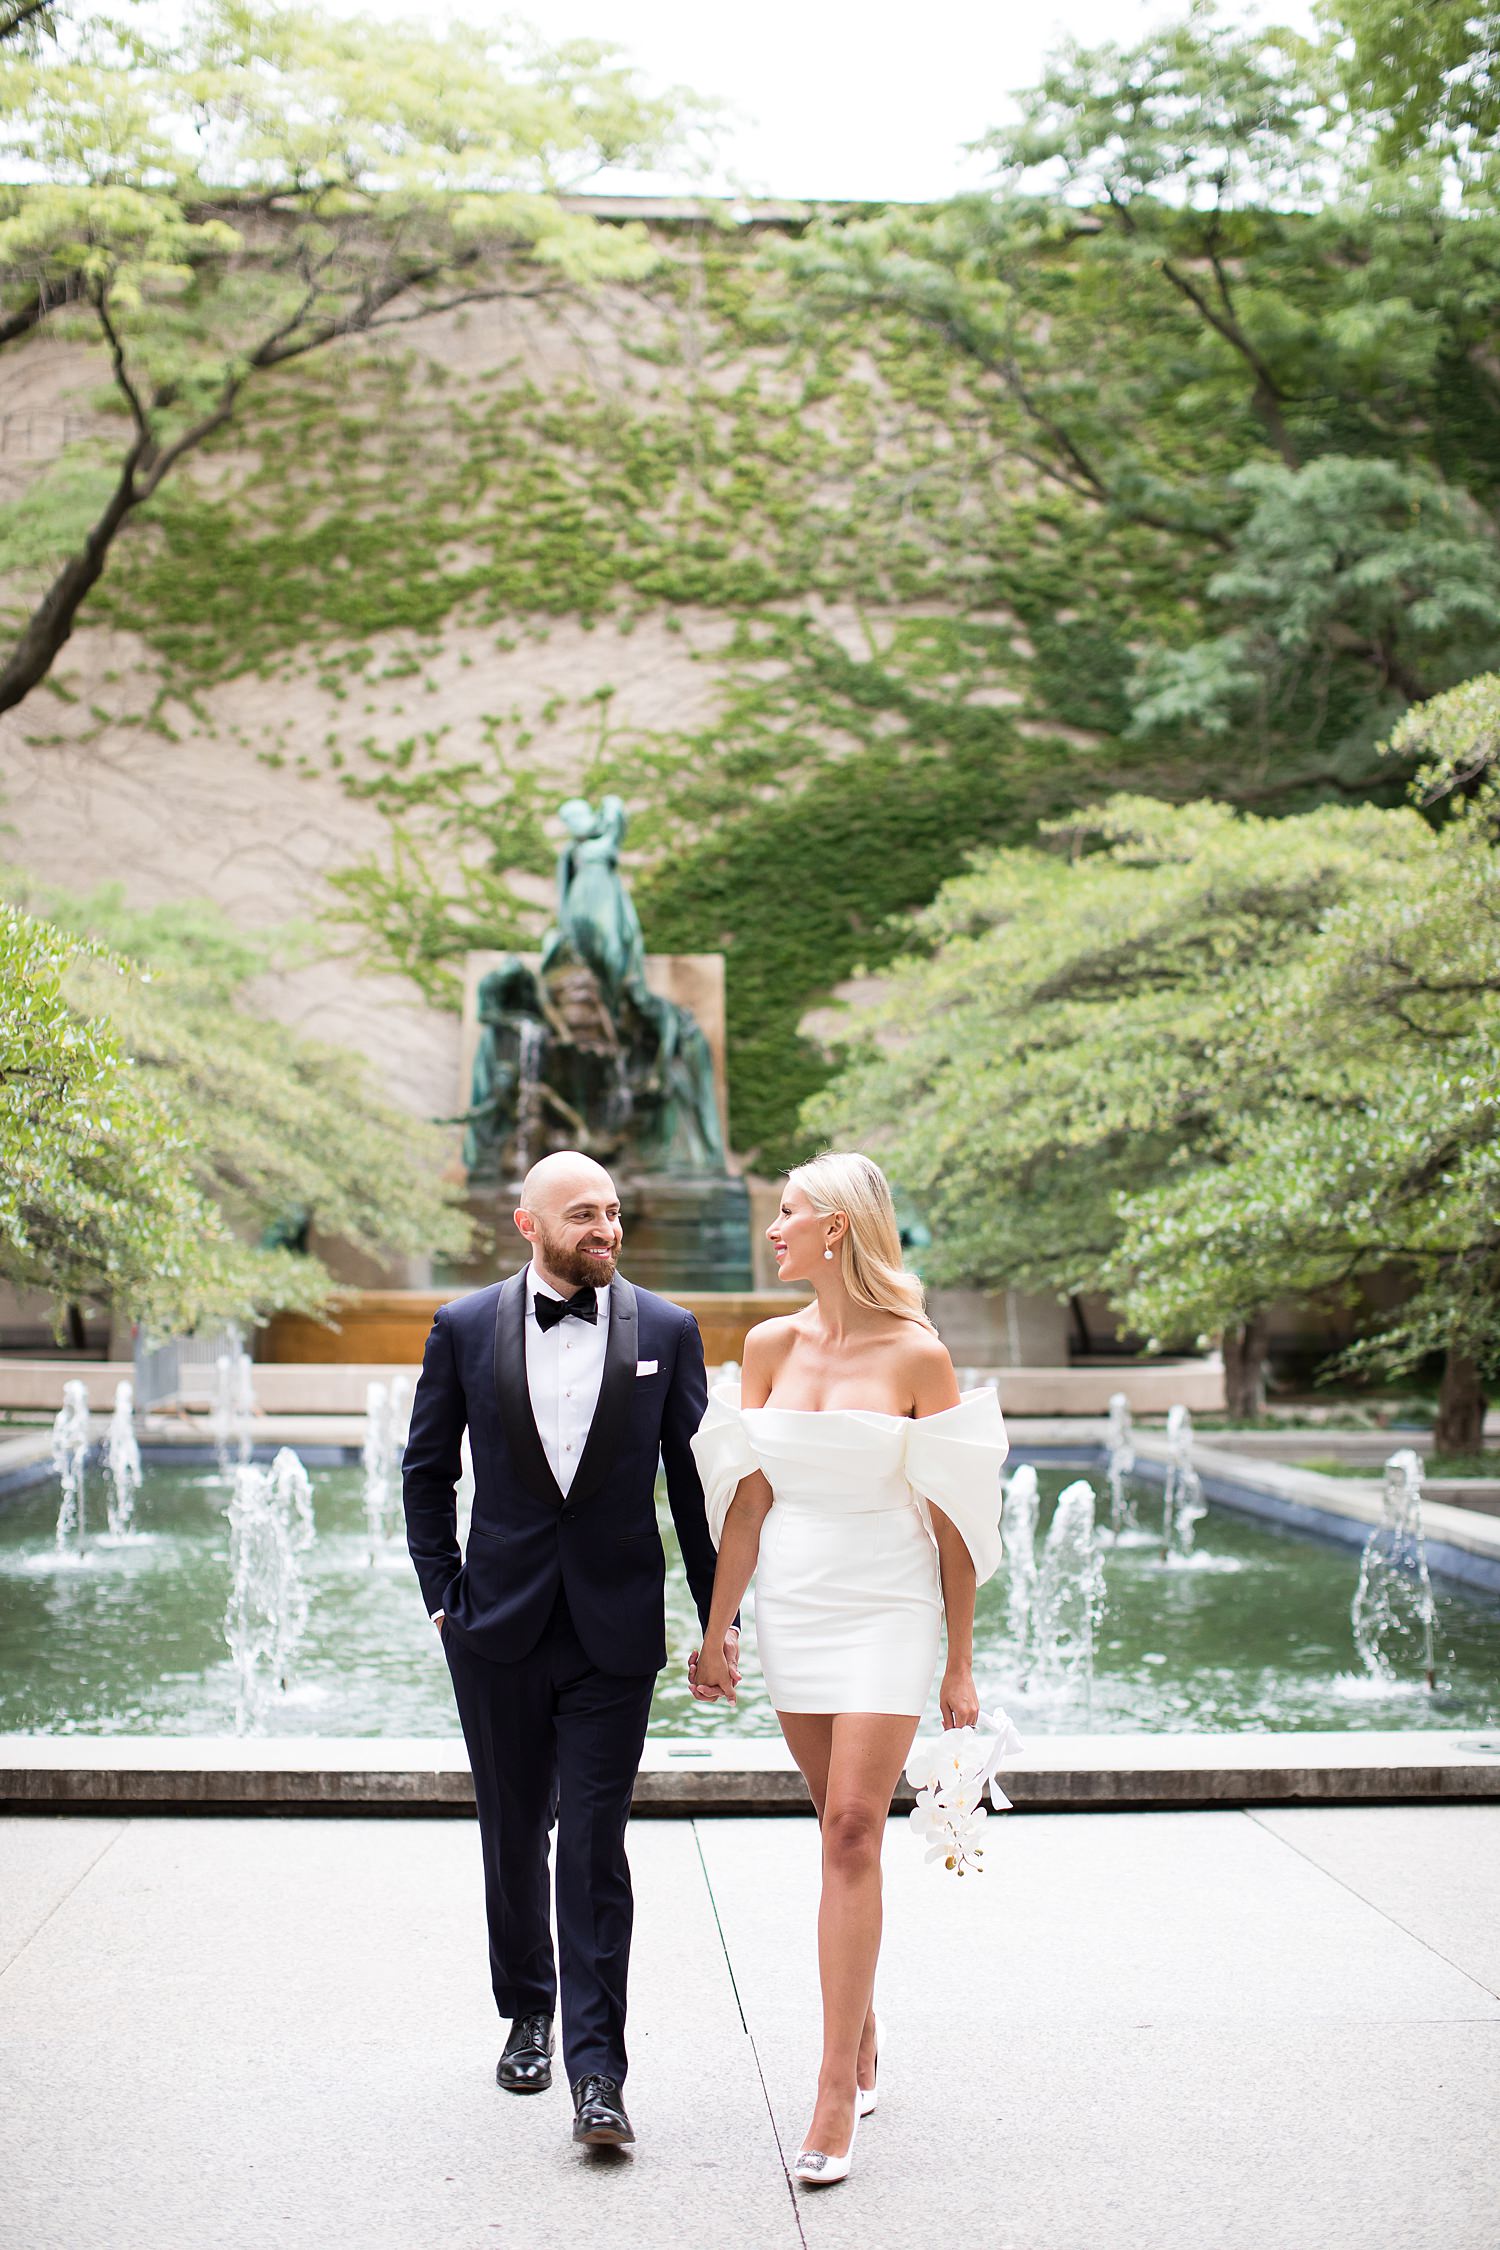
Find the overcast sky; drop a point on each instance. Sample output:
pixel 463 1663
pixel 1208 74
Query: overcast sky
pixel 830 98
pixel 859 98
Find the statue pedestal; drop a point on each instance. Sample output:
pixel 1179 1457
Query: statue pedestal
pixel 686 1233
pixel 681 1233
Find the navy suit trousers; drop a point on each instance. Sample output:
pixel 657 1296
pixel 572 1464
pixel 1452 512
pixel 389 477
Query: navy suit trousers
pixel 552 1738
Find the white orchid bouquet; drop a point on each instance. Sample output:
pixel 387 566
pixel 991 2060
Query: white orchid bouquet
pixel 950 1776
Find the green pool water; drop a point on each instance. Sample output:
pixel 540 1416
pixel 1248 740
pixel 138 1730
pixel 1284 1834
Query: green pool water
pixel 1252 1633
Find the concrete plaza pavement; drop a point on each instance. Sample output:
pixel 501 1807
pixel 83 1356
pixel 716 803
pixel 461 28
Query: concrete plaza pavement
pixel 1228 2030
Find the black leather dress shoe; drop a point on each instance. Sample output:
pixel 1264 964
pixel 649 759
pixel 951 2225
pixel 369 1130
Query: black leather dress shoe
pixel 599 2119
pixel 526 2065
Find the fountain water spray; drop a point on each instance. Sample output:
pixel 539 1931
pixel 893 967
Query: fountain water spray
pixel 234 1405
pixel 1018 1535
pixel 122 1462
pixel 70 1452
pixel 1070 1595
pixel 270 1528
pixel 1392 1611
pixel 1182 1496
pixel 1119 1443
pixel 387 1415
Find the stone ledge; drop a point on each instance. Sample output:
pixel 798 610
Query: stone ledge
pixel 687 1778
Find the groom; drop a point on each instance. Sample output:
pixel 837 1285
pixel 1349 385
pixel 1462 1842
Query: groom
pixel 572 1384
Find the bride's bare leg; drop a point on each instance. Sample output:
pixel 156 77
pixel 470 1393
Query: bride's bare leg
pixel 809 1737
pixel 852 1763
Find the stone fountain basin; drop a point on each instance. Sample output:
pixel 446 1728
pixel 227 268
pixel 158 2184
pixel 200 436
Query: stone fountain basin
pixel 1155 1733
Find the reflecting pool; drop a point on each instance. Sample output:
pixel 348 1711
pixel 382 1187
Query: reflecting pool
pixel 1251 1630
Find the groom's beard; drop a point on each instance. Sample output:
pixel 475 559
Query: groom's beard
pixel 581 1269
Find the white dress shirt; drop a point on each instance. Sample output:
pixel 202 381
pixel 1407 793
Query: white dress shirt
pixel 564 1369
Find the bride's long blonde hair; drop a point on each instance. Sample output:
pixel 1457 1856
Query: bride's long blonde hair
pixel 869 1250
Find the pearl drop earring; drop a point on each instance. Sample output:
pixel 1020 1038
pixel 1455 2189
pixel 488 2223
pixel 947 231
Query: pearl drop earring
pixel 828 1253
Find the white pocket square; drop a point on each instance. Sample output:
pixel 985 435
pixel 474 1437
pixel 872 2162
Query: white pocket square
pixel 645 1366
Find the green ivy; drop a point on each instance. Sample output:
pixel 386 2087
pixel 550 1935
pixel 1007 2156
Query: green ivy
pixel 744 466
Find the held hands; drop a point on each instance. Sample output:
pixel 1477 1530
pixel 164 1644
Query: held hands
pixel 958 1698
pixel 713 1675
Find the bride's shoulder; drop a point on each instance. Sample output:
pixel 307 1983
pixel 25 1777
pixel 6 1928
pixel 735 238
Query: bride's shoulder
pixel 768 1341
pixel 926 1364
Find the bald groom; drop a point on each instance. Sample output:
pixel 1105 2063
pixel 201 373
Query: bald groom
pixel 573 1385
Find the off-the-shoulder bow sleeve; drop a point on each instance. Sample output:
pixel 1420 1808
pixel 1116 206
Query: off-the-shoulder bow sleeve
pixel 953 1459
pixel 724 1454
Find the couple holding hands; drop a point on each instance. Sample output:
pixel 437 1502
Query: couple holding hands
pixel 844 1473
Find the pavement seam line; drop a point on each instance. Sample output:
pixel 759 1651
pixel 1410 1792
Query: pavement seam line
pixel 1385 1915
pixel 58 1904
pixel 765 2092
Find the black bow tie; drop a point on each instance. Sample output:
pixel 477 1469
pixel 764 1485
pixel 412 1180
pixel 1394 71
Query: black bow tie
pixel 583 1305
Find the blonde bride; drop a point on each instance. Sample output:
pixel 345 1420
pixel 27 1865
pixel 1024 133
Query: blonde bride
pixel 848 1477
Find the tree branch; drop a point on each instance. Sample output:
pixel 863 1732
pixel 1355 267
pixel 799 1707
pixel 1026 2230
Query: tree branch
pixel 1267 396
pixel 15 15
pixel 123 378
pixel 51 622
pixel 143 468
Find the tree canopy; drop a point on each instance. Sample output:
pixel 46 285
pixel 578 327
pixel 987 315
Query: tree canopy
pixel 156 1136
pixel 1206 303
pixel 1080 1025
pixel 1205 1062
pixel 218 206
pixel 1381 1149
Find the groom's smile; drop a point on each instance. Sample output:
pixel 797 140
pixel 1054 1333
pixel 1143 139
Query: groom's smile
pixel 570 1214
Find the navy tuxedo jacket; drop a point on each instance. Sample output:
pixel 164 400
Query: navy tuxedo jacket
pixel 600 1543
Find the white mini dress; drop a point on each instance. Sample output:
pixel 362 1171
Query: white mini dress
pixel 848 1596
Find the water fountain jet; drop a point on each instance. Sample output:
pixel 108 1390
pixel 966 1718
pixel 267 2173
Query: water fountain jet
pixel 1018 1536
pixel 1392 1610
pixel 70 1452
pixel 387 1414
pixel 122 1462
pixel 234 1405
pixel 1182 1496
pixel 1119 1443
pixel 270 1527
pixel 1070 1595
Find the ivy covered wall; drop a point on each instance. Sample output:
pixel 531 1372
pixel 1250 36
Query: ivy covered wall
pixel 895 640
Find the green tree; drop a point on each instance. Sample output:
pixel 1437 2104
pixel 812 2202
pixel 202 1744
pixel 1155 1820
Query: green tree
pixel 153 1130
pixel 1199 303
pixel 1081 1027
pixel 1342 560
pixel 1428 74
pixel 275 181
pixel 1381 1149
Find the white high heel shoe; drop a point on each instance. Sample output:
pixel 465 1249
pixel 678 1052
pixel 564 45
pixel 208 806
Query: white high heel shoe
pixel 814 2169
pixel 868 2096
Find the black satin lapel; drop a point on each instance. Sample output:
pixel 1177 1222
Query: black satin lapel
pixel 616 1391
pixel 514 1393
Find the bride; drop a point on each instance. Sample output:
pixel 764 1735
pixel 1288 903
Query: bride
pixel 847 1475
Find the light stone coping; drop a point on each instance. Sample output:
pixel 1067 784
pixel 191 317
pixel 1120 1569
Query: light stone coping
pixel 686 1777
pixel 1353 1498
pixel 338 1386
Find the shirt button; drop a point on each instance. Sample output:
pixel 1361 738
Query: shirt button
pixel 569 1446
